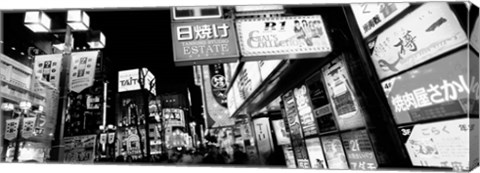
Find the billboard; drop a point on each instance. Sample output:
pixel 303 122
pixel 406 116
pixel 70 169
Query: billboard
pixel 128 80
pixel 371 16
pixel 334 152
pixel 359 150
pixel 430 30
pixel 283 36
pixel 315 153
pixel 174 117
pixel 435 90
pixel 204 42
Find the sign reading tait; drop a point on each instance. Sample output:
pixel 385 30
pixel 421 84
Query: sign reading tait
pixel 204 42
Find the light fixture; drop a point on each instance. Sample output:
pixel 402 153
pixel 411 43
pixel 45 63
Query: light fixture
pixel 7 106
pixel 40 108
pixel 101 127
pixel 110 126
pixel 37 21
pixel 78 20
pixel 25 105
pixel 97 40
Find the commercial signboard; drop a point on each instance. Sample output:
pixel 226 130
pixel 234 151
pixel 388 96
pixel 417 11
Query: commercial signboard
pixel 216 105
pixel 128 80
pixel 285 37
pixel 296 134
pixel 439 89
pixel 305 113
pixel 359 150
pixel 80 149
pixel 334 152
pixel 267 67
pixel 249 79
pixel 82 70
pixel 289 157
pixel 322 110
pixel 174 117
pixel 315 153
pixel 444 144
pixel 281 134
pixel 204 42
pixel 430 30
pixel 264 138
pixel 342 95
pixel 49 68
pixel 371 16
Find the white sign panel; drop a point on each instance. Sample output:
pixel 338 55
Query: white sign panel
pixel 475 37
pixel 315 153
pixel 49 67
pixel 430 30
pixel 248 79
pixel 263 136
pixel 128 80
pixel 371 16
pixel 283 138
pixel 267 67
pixel 82 70
pixel 283 36
pixel 444 144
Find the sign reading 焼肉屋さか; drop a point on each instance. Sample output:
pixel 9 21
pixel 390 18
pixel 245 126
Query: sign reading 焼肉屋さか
pixel 290 36
pixel 204 42
pixel 427 32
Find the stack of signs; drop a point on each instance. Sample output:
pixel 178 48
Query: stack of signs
pixel 371 16
pixel 436 90
pixel 359 150
pixel 82 70
pixel 296 133
pixel 49 68
pixel 342 95
pixel 430 30
pixel 80 149
pixel 334 152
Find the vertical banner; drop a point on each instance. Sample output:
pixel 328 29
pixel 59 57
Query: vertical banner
pixel 11 130
pixel 82 70
pixel 264 139
pixel 28 127
pixel 289 156
pixel 315 153
pixel 217 111
pixel 111 138
pixel 334 152
pixel 49 68
pixel 359 150
pixel 281 134
pixel 305 111
pixel 80 149
pixel 103 141
pixel 296 133
pixel 342 95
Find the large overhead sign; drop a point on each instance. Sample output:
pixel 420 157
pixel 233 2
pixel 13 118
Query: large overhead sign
pixel 283 37
pixel 128 80
pixel 204 42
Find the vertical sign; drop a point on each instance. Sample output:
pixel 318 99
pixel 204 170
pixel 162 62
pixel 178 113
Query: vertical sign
pixel 218 83
pixel 82 70
pixel 371 16
pixel 342 95
pixel 296 133
pixel 249 79
pixel 49 68
pixel 315 153
pixel 322 112
pixel 264 139
pixel 281 133
pixel 305 111
pixel 334 152
pixel 289 156
pixel 216 105
pixel 359 150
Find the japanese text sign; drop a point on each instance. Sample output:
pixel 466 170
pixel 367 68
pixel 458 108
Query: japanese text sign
pixel 204 42
pixel 435 90
pixel 174 117
pixel 283 36
pixel 359 150
pixel 217 110
pixel 249 79
pixel 430 30
pixel 371 16
pixel 82 70
pixel 334 152
pixel 444 144
pixel 49 68
pixel 305 111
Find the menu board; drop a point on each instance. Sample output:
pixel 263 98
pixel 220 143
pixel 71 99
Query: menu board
pixel 443 144
pixel 322 109
pixel 281 133
pixel 359 150
pixel 296 133
pixel 334 152
pixel 371 16
pixel 436 90
pixel 315 153
pixel 289 157
pixel 305 111
pixel 430 30
pixel 342 95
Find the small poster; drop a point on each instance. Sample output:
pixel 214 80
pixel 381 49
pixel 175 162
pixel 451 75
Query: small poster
pixel 281 134
pixel 49 68
pixel 289 157
pixel 28 127
pixel 315 153
pixel 80 149
pixel 11 131
pixel 359 150
pixel 82 70
pixel 334 152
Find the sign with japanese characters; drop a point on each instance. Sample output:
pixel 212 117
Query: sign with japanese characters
pixel 427 32
pixel 283 36
pixel 49 68
pixel 342 95
pixel 334 152
pixel 281 134
pixel 475 35
pixel 249 79
pixel 371 16
pixel 263 137
pixel 80 149
pixel 11 130
pixel 435 90
pixel 28 127
pixel 444 144
pixel 359 150
pixel 315 153
pixel 296 134
pixel 219 83
pixel 204 42
pixel 82 70
pixel 217 112
pixel 305 111
pixel 322 110
pixel 174 117
pixel 128 80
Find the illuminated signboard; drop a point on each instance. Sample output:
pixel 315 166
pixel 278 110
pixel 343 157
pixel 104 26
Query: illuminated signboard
pixel 430 30
pixel 264 138
pixel 342 95
pixel 216 98
pixel 267 67
pixel 128 80
pixel 283 36
pixel 80 149
pixel 281 133
pixel 315 153
pixel 289 157
pixel 305 111
pixel 334 152
pixel 322 112
pixel 204 42
pixel 359 150
pixel 443 144
pixel 174 117
pixel 296 134
pixel 435 90
pixel 249 79
pixel 371 16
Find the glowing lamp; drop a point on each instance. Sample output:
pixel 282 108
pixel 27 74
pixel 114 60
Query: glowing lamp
pixel 37 21
pixel 97 40
pixel 78 20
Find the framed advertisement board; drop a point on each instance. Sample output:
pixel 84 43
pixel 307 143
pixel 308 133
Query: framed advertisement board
pixel 334 153
pixel 315 153
pixel 359 150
